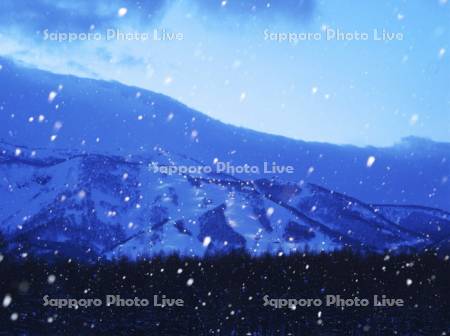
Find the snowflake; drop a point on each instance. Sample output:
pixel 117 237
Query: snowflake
pixel 81 194
pixel 206 241
pixel 370 161
pixel 51 279
pixel 122 11
pixel 51 96
pixel 414 119
pixel 7 300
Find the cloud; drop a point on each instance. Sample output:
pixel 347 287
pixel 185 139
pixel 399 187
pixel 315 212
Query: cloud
pixel 64 15
pixel 74 16
pixel 24 39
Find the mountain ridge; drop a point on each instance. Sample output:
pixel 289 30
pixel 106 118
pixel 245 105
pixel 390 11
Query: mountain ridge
pixel 95 205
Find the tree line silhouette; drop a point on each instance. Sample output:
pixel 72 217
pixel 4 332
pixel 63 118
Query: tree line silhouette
pixel 223 295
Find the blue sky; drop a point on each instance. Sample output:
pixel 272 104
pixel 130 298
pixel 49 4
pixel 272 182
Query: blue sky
pixel 352 92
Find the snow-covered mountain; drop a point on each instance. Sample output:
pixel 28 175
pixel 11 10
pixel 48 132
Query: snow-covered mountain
pixel 85 205
pixel 79 177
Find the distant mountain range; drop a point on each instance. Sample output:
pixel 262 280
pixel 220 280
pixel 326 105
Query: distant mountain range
pixel 78 178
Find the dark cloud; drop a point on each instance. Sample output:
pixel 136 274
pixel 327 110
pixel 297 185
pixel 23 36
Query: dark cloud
pixel 42 14
pixel 75 16
pixel 68 15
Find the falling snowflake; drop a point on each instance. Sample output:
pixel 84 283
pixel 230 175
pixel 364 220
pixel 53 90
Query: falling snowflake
pixel 370 161
pixel 81 194
pixel 413 120
pixel 51 279
pixel 7 300
pixel 190 282
pixel 57 125
pixel 168 80
pixel 206 241
pixel 122 12
pixel 409 282
pixel 14 316
pixel 51 96
pixel 270 211
pixel 111 213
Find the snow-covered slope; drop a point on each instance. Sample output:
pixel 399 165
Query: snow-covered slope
pixel 428 222
pixel 88 205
